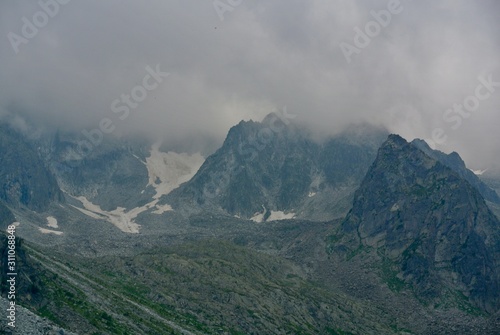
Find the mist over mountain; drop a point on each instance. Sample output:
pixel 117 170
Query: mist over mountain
pixel 263 56
pixel 406 225
pixel 264 170
pixel 250 167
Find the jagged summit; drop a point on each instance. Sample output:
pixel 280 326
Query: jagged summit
pixel 437 229
pixel 455 162
pixel 415 224
pixel 274 168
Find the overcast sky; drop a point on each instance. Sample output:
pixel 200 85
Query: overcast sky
pixel 262 56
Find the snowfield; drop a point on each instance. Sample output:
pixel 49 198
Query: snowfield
pixel 275 216
pixel 279 215
pixel 166 171
pixel 119 217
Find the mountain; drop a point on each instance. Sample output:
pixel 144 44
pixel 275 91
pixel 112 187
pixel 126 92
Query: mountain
pixel 110 173
pixel 25 180
pixel 150 239
pixel 273 169
pixel 429 224
pixel 454 162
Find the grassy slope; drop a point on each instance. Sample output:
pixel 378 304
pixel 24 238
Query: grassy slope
pixel 207 287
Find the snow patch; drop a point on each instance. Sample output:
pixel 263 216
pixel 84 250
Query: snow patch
pixel 90 213
pixel 139 159
pixel 168 170
pixel 119 217
pixel 162 209
pixel 274 216
pixel 258 217
pixel 311 194
pixel 395 207
pixel 52 222
pixel 279 215
pixel 479 172
pixel 48 231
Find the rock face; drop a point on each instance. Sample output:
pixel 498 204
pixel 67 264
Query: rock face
pixel 428 220
pixel 275 166
pixel 24 178
pixel 28 283
pixel 112 173
pixel 6 216
pixel 454 162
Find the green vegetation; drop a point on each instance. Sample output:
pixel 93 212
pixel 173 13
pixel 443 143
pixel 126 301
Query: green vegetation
pixel 389 276
pixel 331 331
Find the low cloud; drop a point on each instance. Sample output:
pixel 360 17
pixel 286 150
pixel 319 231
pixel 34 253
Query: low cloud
pixel 263 56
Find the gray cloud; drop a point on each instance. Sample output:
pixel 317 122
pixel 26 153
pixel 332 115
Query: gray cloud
pixel 263 56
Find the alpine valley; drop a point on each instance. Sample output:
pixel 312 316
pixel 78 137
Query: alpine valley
pixel 275 232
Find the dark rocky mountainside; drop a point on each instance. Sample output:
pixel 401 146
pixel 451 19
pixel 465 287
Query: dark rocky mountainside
pixel 6 216
pixel 454 162
pixel 429 223
pixel 417 253
pixel 25 180
pixel 111 173
pixel 275 166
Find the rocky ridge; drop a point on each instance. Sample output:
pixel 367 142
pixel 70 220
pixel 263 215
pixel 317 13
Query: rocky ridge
pixel 430 223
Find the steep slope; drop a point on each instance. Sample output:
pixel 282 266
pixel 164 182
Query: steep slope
pixel 24 178
pixel 426 221
pixel 454 162
pixel 111 174
pixel 74 301
pixel 274 169
pixel 6 216
pixel 492 179
pixel 119 180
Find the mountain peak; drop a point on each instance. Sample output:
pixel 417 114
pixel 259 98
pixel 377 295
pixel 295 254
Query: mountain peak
pixel 424 218
pixel 394 140
pixel 271 117
pixel 455 162
pixel 275 166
